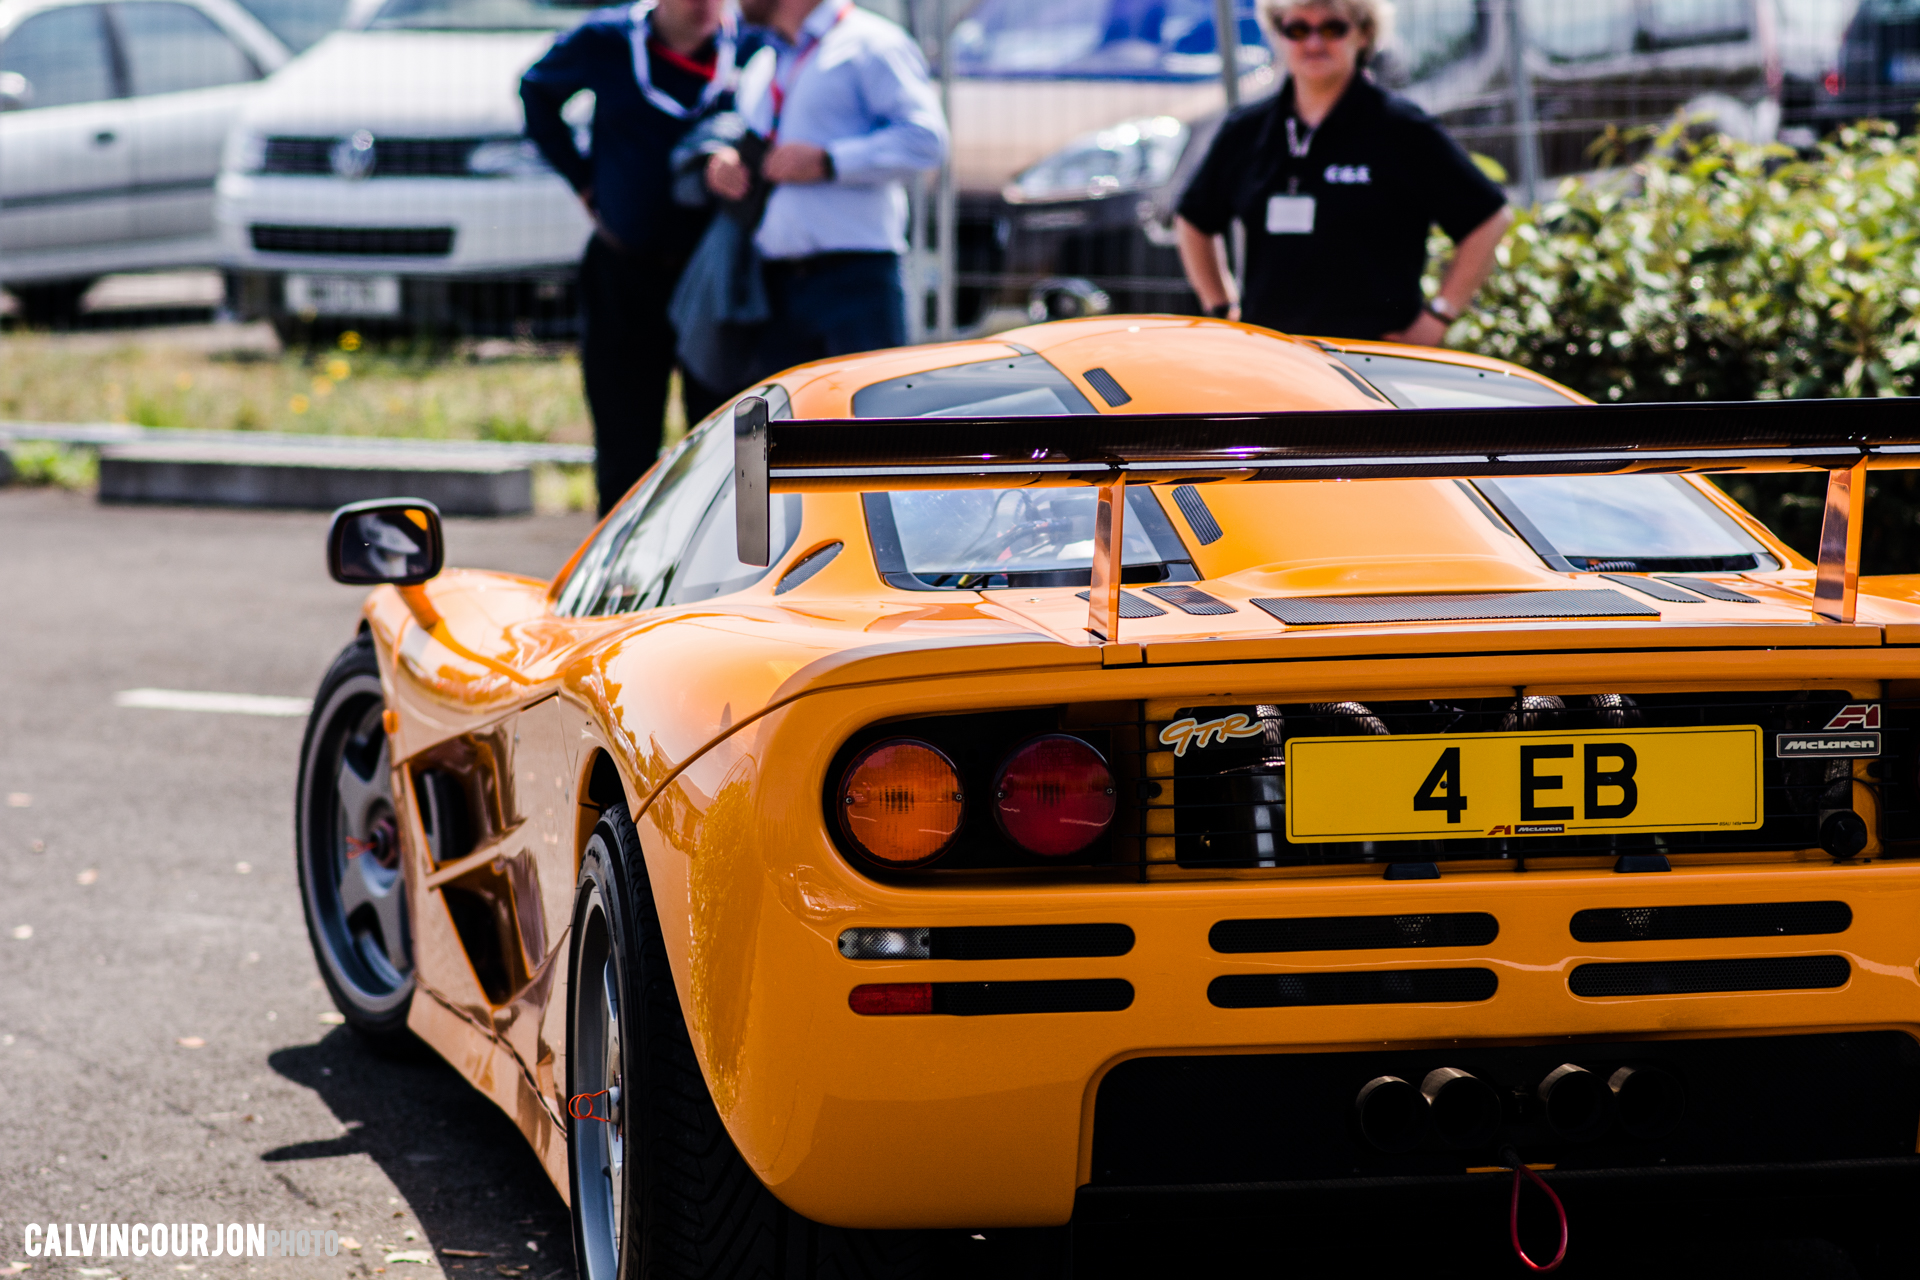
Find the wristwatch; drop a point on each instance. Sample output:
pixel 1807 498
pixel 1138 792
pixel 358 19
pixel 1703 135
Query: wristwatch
pixel 1441 309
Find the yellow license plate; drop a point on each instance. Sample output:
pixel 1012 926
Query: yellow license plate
pixel 1460 785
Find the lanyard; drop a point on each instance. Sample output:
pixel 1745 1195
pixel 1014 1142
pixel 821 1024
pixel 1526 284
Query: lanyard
pixel 723 68
pixel 778 89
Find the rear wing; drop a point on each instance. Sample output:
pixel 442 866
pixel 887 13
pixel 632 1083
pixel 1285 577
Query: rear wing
pixel 1109 452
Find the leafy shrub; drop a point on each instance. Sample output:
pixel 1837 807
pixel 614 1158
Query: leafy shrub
pixel 43 462
pixel 1720 270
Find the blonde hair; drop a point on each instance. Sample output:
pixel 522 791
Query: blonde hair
pixel 1373 19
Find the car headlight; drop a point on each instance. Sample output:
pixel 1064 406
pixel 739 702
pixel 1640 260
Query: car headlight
pixel 1134 155
pixel 506 158
pixel 246 152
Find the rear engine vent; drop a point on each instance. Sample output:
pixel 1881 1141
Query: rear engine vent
pixel 1132 606
pixel 1028 941
pixel 1306 611
pixel 1062 995
pixel 1694 977
pixel 1715 920
pixel 1191 600
pixel 1355 933
pixel 1403 986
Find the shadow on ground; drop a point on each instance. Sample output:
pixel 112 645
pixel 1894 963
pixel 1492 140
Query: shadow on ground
pixel 462 1167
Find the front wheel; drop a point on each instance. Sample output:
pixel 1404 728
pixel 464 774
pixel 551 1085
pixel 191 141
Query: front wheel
pixel 347 838
pixel 659 1190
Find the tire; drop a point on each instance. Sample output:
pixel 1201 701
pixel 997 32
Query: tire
pixel 54 305
pixel 659 1190
pixel 352 880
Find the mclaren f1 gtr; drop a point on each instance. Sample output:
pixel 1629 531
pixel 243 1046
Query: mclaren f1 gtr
pixel 964 785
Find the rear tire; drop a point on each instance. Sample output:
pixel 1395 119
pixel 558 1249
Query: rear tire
pixel 352 879
pixel 659 1190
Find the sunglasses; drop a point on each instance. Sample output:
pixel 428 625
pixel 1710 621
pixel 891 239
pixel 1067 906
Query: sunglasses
pixel 1330 29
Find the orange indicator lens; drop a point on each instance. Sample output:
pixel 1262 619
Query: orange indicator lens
pixel 882 998
pixel 1055 796
pixel 900 802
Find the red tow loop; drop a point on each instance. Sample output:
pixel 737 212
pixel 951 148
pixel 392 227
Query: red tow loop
pixel 580 1107
pixel 1513 1218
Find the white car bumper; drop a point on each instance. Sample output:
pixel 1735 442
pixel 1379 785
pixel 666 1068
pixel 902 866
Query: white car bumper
pixel 451 226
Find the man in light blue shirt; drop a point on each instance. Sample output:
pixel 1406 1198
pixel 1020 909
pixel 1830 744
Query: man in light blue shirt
pixel 851 114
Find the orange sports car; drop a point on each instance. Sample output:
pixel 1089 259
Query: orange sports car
pixel 962 785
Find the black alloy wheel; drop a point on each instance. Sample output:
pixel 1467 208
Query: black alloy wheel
pixel 659 1190
pixel 352 882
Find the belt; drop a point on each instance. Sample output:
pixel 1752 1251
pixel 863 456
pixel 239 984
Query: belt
pixel 819 263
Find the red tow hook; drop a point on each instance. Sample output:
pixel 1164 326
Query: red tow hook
pixel 580 1106
pixel 1512 1160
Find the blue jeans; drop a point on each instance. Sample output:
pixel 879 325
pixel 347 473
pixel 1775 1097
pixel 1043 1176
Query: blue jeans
pixel 833 304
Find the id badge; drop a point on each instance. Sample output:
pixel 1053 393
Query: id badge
pixel 1290 215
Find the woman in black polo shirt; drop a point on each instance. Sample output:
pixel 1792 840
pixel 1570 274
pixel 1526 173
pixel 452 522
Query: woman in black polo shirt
pixel 1337 182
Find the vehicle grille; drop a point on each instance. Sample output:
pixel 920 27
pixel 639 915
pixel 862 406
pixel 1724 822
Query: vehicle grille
pixel 1354 933
pixel 1694 977
pixel 1057 995
pixel 1027 941
pixel 1710 920
pixel 1222 805
pixel 370 242
pixel 392 157
pixel 1363 986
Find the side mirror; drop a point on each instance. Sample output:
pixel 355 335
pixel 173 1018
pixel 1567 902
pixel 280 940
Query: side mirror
pixel 16 91
pixel 394 540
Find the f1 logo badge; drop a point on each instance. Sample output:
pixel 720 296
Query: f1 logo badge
pixel 1856 715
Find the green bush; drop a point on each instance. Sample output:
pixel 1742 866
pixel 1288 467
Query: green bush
pixel 1718 270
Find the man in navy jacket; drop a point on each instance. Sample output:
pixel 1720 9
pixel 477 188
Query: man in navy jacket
pixel 652 68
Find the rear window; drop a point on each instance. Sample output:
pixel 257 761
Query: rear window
pixel 1436 384
pixel 1644 523
pixel 984 539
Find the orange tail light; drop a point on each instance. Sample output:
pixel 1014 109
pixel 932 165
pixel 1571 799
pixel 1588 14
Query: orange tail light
pixel 900 802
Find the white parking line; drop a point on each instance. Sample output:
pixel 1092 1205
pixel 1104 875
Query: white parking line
pixel 239 704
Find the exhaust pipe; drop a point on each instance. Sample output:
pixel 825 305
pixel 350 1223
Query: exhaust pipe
pixel 1393 1115
pixel 1465 1108
pixel 1650 1101
pixel 1577 1103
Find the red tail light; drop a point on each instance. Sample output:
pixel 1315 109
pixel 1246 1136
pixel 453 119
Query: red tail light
pixel 1054 796
pixel 878 999
pixel 900 802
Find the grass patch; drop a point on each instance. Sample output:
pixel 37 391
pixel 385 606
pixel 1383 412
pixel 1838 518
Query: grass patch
pixel 41 462
pixel 171 378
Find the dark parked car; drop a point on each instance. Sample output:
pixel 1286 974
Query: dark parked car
pixel 1876 71
pixel 1088 228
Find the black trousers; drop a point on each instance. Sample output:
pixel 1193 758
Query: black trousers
pixel 626 359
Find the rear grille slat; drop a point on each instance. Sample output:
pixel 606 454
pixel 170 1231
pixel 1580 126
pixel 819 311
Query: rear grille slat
pixel 1354 933
pixel 1028 941
pixel 1698 977
pixel 1060 995
pixel 1710 920
pixel 1367 986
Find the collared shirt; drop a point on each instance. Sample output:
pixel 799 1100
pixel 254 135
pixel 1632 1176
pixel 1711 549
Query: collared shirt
pixel 627 165
pixel 1337 216
pixel 856 85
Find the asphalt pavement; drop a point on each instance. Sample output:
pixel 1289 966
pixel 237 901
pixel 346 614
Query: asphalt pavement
pixel 167 1052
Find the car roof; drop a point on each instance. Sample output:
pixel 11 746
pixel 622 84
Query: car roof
pixel 1212 366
